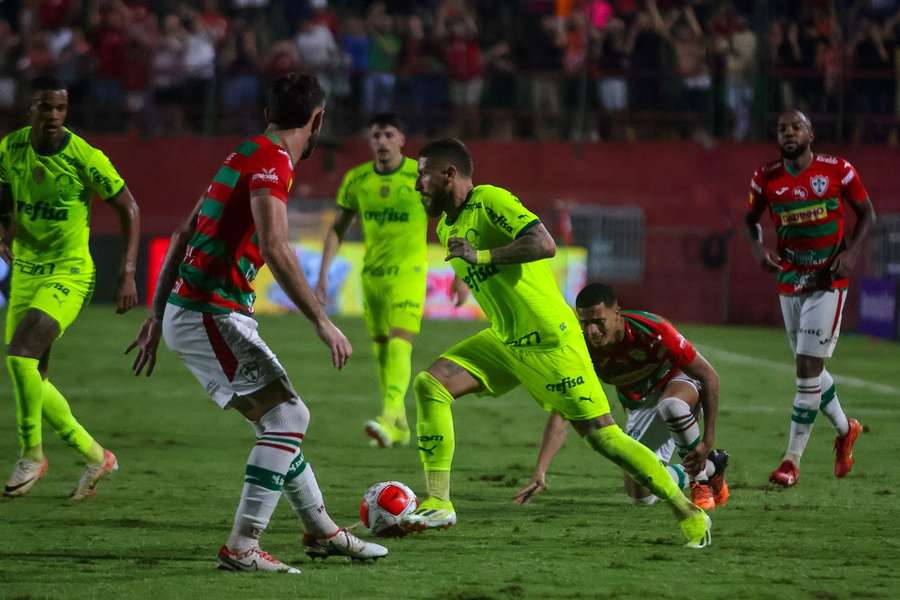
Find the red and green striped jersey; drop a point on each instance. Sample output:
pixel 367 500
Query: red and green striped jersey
pixel 808 210
pixel 649 355
pixel 222 256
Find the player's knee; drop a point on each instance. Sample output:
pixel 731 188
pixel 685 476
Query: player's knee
pixel 809 366
pixel 672 407
pixel 289 417
pixel 427 388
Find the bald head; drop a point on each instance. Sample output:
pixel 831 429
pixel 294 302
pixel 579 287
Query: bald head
pixel 795 134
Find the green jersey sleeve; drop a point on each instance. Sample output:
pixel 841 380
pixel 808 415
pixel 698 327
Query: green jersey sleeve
pixel 4 168
pixel 346 196
pixel 506 213
pixel 103 178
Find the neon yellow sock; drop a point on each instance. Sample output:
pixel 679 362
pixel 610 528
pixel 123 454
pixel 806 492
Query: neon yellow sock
pixel 641 463
pixel 27 389
pixel 434 426
pixel 379 350
pixel 395 375
pixel 59 415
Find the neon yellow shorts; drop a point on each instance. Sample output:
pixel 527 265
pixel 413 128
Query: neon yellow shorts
pixel 394 303
pixel 60 289
pixel 561 379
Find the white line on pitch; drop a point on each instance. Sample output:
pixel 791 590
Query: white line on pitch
pixel 744 359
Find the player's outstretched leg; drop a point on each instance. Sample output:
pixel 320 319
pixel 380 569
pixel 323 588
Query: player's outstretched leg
pixel 322 537
pixel 806 406
pixel 646 468
pixel 684 430
pixel 394 360
pixel 847 429
pixel 27 385
pixel 100 462
pixel 715 473
pixel 280 431
pixel 434 429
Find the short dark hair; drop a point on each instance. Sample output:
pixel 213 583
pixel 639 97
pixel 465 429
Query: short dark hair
pixel 48 83
pixel 292 100
pixel 387 119
pixel 596 293
pixel 452 151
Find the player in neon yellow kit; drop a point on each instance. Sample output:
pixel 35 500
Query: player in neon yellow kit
pixel 48 176
pixel 497 247
pixel 382 194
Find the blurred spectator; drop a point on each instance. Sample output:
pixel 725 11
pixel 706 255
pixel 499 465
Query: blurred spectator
pixel 500 96
pixel 425 80
pixel 318 51
pixel 355 45
pixel 738 43
pixel 457 33
pixel 214 22
pixel 384 48
pixel 109 46
pixel 579 102
pixel 543 58
pixel 693 87
pixel 240 68
pixel 871 96
pixel 199 72
pixel 168 78
pixel 784 57
pixel 613 64
pixel 643 47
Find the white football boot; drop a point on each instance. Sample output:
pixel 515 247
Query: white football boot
pixel 92 475
pixel 25 474
pixel 342 543
pixel 253 559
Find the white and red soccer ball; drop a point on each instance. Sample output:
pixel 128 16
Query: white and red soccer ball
pixel 384 504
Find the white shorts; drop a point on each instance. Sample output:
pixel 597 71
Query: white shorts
pixel 224 352
pixel 649 428
pixel 813 321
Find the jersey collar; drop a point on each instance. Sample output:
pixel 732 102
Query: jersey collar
pixel 62 146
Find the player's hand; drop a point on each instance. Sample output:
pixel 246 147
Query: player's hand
pixel 6 252
pixel 458 247
pixel 537 485
pixel 459 292
pixel 843 264
pixel 321 290
pixel 695 461
pixel 768 259
pixel 126 294
pixel 337 342
pixel 146 342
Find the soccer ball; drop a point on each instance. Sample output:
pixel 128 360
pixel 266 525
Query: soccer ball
pixel 382 506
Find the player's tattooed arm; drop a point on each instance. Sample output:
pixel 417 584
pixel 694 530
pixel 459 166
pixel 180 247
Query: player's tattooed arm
pixel 701 370
pixel 535 244
pixel 768 259
pixel 130 222
pixel 865 219
pixel 553 440
pixel 333 240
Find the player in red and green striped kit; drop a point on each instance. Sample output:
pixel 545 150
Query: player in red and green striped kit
pixel 807 195
pixel 202 307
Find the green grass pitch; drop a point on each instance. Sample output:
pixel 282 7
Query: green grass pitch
pixel 153 530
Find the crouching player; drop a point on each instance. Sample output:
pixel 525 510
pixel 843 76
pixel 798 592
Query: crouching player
pixel 663 383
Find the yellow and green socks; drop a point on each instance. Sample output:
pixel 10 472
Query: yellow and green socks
pixel 434 428
pixel 394 359
pixel 641 463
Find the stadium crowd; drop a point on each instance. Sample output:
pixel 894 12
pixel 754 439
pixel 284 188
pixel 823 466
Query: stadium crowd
pixel 546 69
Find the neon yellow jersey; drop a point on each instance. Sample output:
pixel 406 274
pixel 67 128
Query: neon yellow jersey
pixel 394 222
pixel 523 301
pixel 52 194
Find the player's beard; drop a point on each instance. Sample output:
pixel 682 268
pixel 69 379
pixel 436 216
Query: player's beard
pixel 310 146
pixel 798 150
